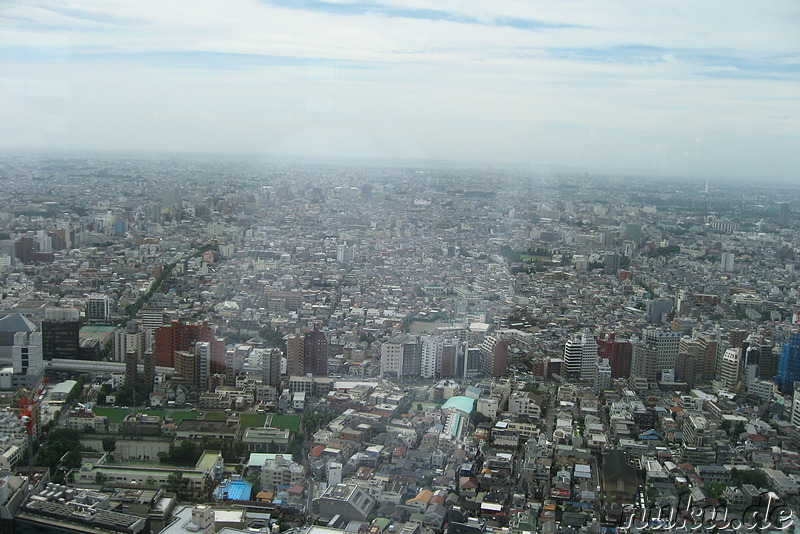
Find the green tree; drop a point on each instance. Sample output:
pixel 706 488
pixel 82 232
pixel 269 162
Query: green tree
pixel 100 478
pixel 109 444
pixel 72 460
pixel 756 477
pixel 715 490
pixel 185 454
pixel 177 485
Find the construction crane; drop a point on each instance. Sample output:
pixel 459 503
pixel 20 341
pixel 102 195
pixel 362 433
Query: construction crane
pixel 27 414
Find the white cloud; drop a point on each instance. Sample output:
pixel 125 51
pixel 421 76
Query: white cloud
pixel 249 75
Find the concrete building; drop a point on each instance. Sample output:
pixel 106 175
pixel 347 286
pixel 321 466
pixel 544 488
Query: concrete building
pixel 656 352
pixel 580 357
pixel 348 501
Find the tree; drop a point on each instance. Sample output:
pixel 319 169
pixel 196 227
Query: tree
pixel 72 460
pixel 100 478
pixel 177 485
pixel 756 477
pixel 185 454
pixel 715 490
pixel 150 481
pixel 109 444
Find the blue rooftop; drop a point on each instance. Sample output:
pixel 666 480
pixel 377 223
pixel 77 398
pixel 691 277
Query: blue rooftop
pixel 464 404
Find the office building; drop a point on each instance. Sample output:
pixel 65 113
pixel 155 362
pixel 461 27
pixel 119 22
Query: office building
pixel 271 367
pixel 61 334
pixel 401 356
pixel 182 336
pixel 494 353
pixel 27 363
pixel 726 261
pixel 704 348
pixel 130 338
pixel 789 366
pixel 431 362
pixel 657 310
pixel 9 326
pixel 656 352
pixel 580 357
pixel 602 378
pixel 686 369
pixel 98 308
pixel 730 372
pixel 617 352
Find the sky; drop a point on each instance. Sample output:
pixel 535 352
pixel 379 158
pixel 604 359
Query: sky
pixel 702 88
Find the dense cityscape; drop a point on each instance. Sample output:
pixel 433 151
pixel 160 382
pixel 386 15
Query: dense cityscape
pixel 246 345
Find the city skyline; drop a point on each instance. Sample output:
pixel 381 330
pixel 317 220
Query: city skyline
pixel 609 87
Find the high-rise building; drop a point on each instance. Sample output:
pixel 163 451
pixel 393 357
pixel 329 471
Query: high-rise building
pixel 729 374
pixel 451 354
pixel 315 349
pixel 184 365
pixel 61 334
pixel 602 376
pixel 149 361
pixel 768 358
pixel 795 417
pixel 307 352
pixel 271 367
pixel 131 367
pixel 704 349
pixel 686 369
pixel 789 366
pixel 202 362
pixel 27 363
pixel 473 362
pixel 656 352
pixel 726 261
pixel 634 233
pixel 401 356
pixel 180 336
pixel 431 364
pixel 657 310
pixel 611 263
pixel 784 213
pixel 580 357
pixel 617 352
pixel 494 352
pixel 130 338
pixel 98 308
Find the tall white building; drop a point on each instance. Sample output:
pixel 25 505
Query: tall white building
pixel 98 307
pixel 202 361
pixel 431 366
pixel 729 372
pixel 129 339
pixel 27 362
pixel 580 357
pixel 602 378
pixel 795 420
pixel 401 356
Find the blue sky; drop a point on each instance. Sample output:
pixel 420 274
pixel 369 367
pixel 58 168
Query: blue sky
pixel 706 88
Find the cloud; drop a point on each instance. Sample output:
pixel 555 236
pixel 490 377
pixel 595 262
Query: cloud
pixel 432 75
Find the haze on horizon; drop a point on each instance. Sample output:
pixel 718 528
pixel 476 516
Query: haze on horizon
pixel 708 88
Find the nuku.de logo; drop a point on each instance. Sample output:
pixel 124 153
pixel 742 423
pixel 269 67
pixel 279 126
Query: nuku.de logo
pixel 768 512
